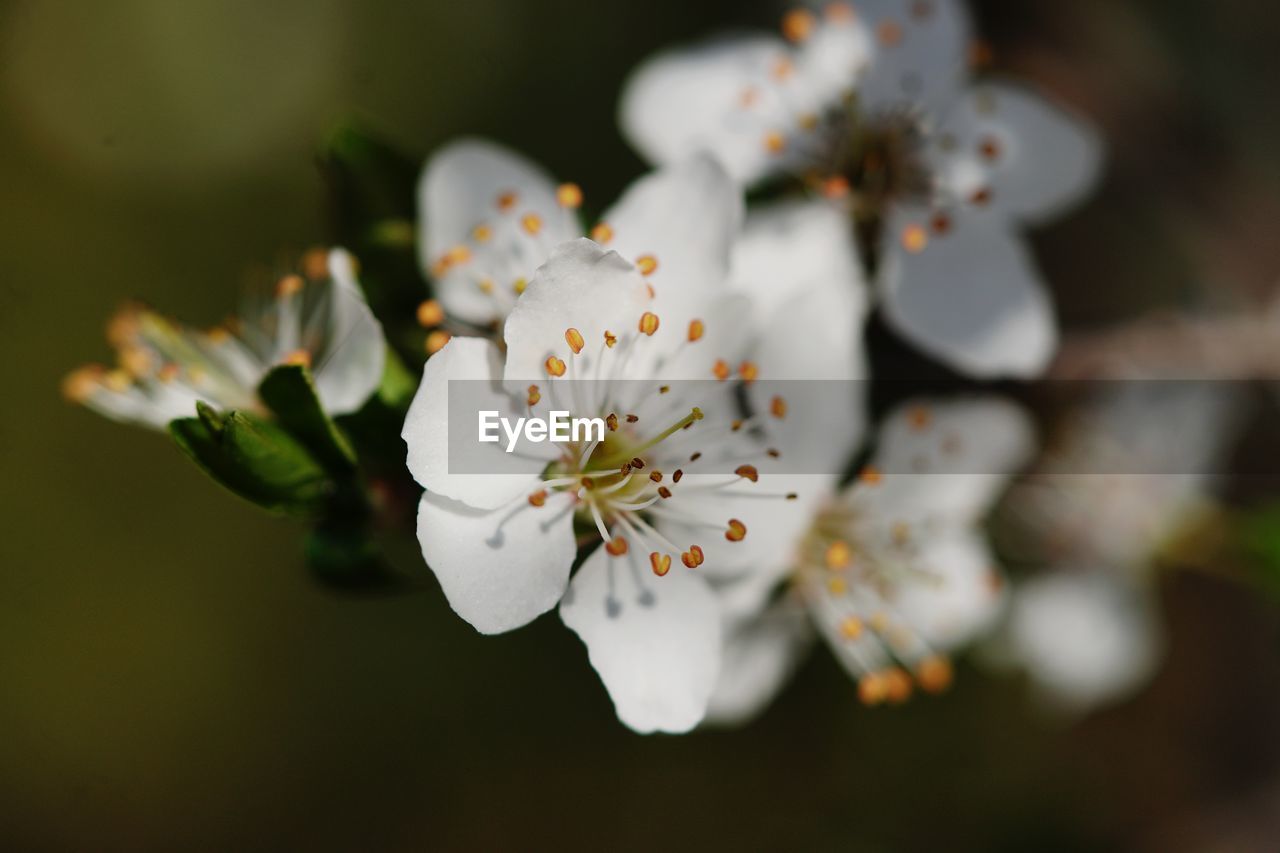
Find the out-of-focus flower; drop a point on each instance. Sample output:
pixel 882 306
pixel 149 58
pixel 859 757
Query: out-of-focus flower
pixel 894 573
pixel 316 317
pixel 489 218
pixel 872 107
pixel 1132 472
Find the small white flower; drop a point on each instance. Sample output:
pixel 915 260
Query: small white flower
pixel 1132 470
pixel 667 530
pixel 317 317
pixel 872 107
pixel 894 573
pixel 489 218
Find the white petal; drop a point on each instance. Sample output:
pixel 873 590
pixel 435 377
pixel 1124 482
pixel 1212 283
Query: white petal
pixel 426 429
pixel 963 596
pixel 972 298
pixel 1045 160
pixel 349 369
pixel 655 641
pixel 926 64
pixel 686 216
pixel 458 192
pixel 583 287
pixel 759 656
pixel 835 57
pixel 1084 637
pixel 946 463
pixel 501 568
pixel 691 99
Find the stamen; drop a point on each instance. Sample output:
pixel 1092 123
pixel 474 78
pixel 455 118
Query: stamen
pixel 507 200
pixel 616 546
pixel 748 472
pixel 919 418
pixel 436 341
pixel 934 674
pixel 538 498
pixel 798 24
pixel 778 407
pixel 748 371
pixel 914 239
pixel 870 476
pixel 569 195
pixel 610 339
pixel 555 366
pixel 872 689
pixel 602 233
pixel 851 628
pixel 300 357
pixel 648 323
pixel 693 557
pixel 430 313
pixel 720 369
pixel 519 285
pixel 774 142
pixel 841 13
pixel 531 223
pixel 612 422
pixel 737 531
pixel 661 563
pixel 989 148
pixel 647 264
pixel 697 329
pixel 481 233
pixel 288 286
pixel 839 556
pixel 574 339
pixel 677 476
pixel 534 396
pixel 889 33
pixel 315 264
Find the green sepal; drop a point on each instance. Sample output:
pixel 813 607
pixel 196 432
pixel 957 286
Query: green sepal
pixel 398 384
pixel 290 392
pixel 1258 536
pixel 253 458
pixel 345 556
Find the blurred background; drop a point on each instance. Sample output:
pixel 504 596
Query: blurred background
pixel 169 674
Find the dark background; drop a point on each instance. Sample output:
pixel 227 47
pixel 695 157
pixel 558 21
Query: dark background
pixel 169 676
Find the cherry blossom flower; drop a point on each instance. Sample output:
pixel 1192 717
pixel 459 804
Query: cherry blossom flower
pixel 871 107
pixel 316 317
pixel 893 573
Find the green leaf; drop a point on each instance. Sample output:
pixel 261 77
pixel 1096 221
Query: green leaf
pixel 290 393
pixel 1258 534
pixel 253 458
pixel 398 385
pixel 345 556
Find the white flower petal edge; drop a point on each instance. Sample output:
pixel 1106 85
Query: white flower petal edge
pixel 1084 637
pixel 656 642
pixel 973 298
pixel 350 367
pixel 500 568
pixel 426 429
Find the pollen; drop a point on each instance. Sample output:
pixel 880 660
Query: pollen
pixel 778 408
pixel 783 68
pixel 677 476
pixel 737 531
pixel 774 142
pixel 519 285
pixel 749 97
pixel 555 366
pixel 79 385
pixel 574 339
pixel 637 463
pixel 720 369
pixel 436 341
pixel 612 422
pixel 934 674
pixel 872 689
pixel 485 285
pixel 981 197
pixel 538 498
pixel 914 239
pixel 798 24
pixel 664 492
pixel 430 314
pixel 610 339
pixel 300 357
pixel 655 476
pixel 889 33
pixel 989 148
pixel 919 418
pixel 839 556
pixel 647 264
pixel 648 323
pixel 481 233
pixel 507 200
pixel 835 187
pixel 941 224
pixel 661 563
pixel 531 223
pixel 602 233
pixel 617 546
pixel 851 627
pixel 897 685
pixel 749 371
pixel 693 557
pixel 569 195
pixel 870 476
pixel 748 472
pixel 837 586
pixel 288 286
pixel 533 396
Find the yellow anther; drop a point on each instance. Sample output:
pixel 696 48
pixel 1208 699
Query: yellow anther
pixel 507 200
pixel 430 313
pixel 889 33
pixel 989 148
pixel 569 195
pixel 574 339
pixel 737 531
pixel 839 556
pixel 798 24
pixel 934 674
pixel 919 418
pixel 602 233
pixel 531 223
pixel 783 68
pixel 482 233
pixel 610 339
pixel 315 263
pixel 697 329
pixel 914 238
pixel 835 187
pixel 617 546
pixel 872 689
pixel 538 498
pixel 661 563
pixel 870 476
pixel 533 396
pixel 851 627
pixel 288 286
pixel 436 341
pixel 612 422
pixel 897 685
pixel 837 586
pixel 693 557
pixel 774 142
pixel 720 369
pixel 748 371
pixel 647 264
pixel 555 366
pixel 519 285
pixel 117 380
pixel 168 372
pixel 840 13
pixel 300 357
pixel 80 384
pixel 485 285
pixel 748 472
pixel 778 407
pixel 648 323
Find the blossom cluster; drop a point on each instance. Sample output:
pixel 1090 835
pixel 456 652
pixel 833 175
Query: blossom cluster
pixel 692 556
